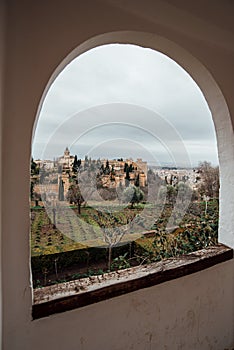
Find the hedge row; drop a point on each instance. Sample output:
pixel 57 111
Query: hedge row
pixel 82 257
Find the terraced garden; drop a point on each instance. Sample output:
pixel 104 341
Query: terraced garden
pixel 76 246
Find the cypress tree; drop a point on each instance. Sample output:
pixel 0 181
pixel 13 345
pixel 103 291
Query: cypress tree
pixel 61 190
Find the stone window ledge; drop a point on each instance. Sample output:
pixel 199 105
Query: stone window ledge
pixel 70 295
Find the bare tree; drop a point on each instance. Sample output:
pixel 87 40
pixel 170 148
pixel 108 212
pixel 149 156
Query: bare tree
pixel 112 234
pixel 209 185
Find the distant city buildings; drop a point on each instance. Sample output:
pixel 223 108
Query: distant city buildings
pixel 109 174
pixel 174 176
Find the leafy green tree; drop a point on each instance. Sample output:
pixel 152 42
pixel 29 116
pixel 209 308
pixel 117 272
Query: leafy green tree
pixel 75 165
pixel 31 189
pixel 137 181
pixel 131 168
pixel 107 168
pixel 78 163
pixel 102 169
pixel 112 173
pixel 34 168
pixel 127 177
pixel 133 195
pixel 74 196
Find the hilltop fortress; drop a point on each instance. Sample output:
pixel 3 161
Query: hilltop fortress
pixel 113 172
pixel 110 173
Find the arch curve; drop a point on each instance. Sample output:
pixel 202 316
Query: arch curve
pixel 209 88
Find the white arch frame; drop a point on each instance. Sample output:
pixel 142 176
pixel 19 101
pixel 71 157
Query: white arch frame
pixel 210 90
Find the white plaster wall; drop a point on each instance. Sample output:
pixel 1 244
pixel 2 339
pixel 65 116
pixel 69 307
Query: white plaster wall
pixel 194 312
pixel 2 52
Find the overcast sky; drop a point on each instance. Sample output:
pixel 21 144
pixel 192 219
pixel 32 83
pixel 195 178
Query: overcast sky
pixel 126 101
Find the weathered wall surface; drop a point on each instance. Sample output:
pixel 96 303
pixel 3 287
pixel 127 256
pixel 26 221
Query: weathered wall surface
pixel 194 312
pixel 2 54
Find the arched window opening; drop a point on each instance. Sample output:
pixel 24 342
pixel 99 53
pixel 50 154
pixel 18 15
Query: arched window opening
pixel 124 169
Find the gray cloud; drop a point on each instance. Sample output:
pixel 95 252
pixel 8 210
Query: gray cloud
pixel 115 77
